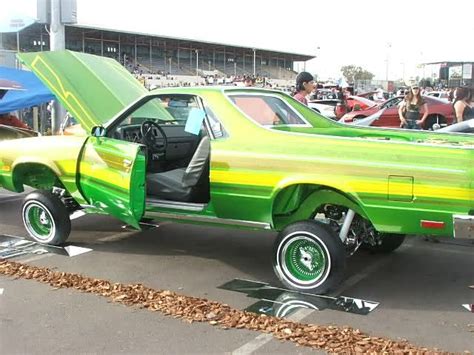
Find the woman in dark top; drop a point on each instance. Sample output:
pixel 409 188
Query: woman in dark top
pixel 410 110
pixel 463 108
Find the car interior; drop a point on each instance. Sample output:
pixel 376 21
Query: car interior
pixel 178 146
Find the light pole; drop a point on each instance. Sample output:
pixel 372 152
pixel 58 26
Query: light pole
pixel 389 45
pixel 254 61
pixel 209 62
pixel 235 68
pixel 318 54
pixel 197 62
pixel 169 60
pixel 57 42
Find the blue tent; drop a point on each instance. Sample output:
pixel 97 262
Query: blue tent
pixel 34 92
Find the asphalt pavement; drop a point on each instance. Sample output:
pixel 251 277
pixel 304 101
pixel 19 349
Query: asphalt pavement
pixel 421 288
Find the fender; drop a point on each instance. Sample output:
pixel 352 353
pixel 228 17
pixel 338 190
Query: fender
pixel 324 195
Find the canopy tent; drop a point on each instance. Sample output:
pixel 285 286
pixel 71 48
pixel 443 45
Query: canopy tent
pixel 34 91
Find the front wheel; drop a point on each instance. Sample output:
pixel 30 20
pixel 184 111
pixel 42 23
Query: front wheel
pixel 308 256
pixel 46 218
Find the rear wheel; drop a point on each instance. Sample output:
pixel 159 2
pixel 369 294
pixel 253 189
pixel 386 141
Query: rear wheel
pixel 309 256
pixel 434 122
pixel 46 218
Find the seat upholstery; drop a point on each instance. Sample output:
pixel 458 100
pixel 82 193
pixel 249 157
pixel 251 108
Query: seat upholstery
pixel 178 184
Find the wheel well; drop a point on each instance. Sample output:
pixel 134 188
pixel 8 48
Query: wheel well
pixel 36 175
pixel 430 120
pixel 300 201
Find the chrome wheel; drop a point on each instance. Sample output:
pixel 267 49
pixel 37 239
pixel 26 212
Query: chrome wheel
pixel 38 221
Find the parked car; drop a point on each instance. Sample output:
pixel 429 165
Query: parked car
pixel 443 95
pixel 460 127
pixel 236 157
pixel 333 108
pixel 10 132
pixel 440 113
pixel 325 107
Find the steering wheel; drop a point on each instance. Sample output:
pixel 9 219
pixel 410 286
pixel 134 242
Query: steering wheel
pixel 149 138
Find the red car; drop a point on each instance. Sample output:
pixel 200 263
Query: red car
pixel 353 103
pixel 440 112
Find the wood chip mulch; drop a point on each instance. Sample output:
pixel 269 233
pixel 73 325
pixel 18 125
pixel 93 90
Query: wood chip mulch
pixel 334 339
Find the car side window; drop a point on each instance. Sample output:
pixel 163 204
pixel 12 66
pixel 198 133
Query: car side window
pixel 267 110
pixel 216 127
pixel 392 103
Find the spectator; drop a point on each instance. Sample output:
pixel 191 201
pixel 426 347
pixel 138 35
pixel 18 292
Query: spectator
pixel 463 108
pixel 10 120
pixel 409 110
pixel 249 81
pixel 304 86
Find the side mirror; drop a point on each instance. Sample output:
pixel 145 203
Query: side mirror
pixel 98 131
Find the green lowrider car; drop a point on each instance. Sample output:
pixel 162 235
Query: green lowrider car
pixel 246 158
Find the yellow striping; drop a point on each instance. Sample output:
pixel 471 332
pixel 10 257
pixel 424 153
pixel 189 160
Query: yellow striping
pixel 372 187
pixel 242 178
pixel 61 91
pixel 118 178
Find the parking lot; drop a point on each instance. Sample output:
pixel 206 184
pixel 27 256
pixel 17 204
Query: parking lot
pixel 421 289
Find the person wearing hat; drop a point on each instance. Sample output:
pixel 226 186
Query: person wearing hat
pixel 304 86
pixel 411 109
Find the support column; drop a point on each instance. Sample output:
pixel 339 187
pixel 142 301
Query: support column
pixel 120 50
pixel 254 61
pixel 151 58
pixel 135 54
pixel 57 43
pixel 102 43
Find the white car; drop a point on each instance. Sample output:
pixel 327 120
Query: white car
pixel 460 127
pixel 325 107
pixel 442 95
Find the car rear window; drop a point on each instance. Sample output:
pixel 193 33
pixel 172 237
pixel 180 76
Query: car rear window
pixel 267 110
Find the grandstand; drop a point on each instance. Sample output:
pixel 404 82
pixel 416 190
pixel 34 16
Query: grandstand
pixel 150 54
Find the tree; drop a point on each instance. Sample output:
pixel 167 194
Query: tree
pixel 352 73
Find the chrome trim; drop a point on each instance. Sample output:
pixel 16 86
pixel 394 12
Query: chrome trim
pixel 463 226
pixel 235 222
pixel 186 206
pixel 88 206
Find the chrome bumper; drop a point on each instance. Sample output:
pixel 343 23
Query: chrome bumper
pixel 463 226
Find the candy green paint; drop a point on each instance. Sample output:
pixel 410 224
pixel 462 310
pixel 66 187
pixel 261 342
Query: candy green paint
pixel 269 175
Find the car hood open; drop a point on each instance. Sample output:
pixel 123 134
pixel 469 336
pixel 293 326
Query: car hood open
pixel 93 89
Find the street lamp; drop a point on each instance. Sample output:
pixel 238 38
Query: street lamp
pixel 389 45
pixel 197 62
pixel 254 61
pixel 318 54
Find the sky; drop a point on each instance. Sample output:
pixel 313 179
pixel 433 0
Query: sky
pixel 387 38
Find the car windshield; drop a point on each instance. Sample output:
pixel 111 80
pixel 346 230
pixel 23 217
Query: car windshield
pixel 267 110
pixel 365 101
